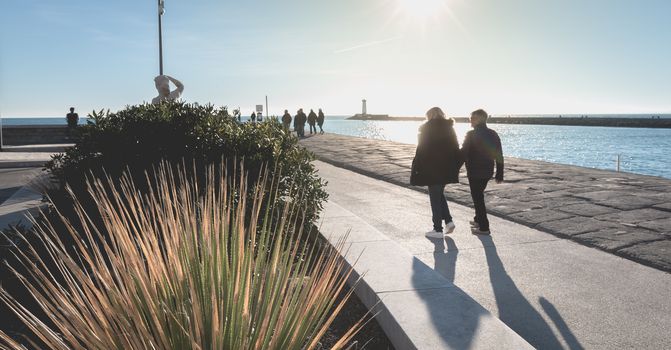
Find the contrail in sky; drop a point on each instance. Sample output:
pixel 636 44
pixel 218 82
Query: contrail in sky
pixel 372 43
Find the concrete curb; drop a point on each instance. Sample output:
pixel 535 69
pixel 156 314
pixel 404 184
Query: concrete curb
pixel 416 306
pixel 22 164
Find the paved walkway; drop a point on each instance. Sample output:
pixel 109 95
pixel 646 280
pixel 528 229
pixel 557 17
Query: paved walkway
pixel 553 292
pixel 625 214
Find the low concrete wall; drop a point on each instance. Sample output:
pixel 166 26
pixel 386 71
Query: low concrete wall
pixel 36 134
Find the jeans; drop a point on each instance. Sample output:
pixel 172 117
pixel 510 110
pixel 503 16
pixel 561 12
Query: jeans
pixel 313 127
pixel 478 194
pixel 439 209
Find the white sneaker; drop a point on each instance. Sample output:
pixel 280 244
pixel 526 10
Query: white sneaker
pixel 474 224
pixel 434 234
pixel 449 228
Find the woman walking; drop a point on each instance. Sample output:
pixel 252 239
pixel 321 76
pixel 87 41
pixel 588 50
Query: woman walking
pixel 437 163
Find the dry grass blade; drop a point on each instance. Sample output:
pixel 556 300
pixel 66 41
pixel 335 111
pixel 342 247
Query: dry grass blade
pixel 186 265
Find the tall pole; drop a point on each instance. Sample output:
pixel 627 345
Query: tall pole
pixel 267 111
pixel 160 37
pixel 0 132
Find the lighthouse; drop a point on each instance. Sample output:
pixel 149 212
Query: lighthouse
pixel 363 107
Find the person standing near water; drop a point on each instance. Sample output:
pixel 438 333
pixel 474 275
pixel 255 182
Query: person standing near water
pixel 286 120
pixel 299 122
pixel 72 118
pixel 481 150
pixel 312 119
pixel 320 121
pixel 253 117
pixel 437 163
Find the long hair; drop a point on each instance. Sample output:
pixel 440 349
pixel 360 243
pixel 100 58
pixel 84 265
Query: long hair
pixel 435 113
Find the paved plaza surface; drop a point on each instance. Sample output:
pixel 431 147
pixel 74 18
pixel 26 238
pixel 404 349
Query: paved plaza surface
pixel 553 292
pixel 12 179
pixel 625 214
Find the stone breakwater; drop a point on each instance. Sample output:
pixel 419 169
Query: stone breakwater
pixel 625 214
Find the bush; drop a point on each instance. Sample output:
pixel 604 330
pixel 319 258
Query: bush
pixel 181 269
pixel 139 137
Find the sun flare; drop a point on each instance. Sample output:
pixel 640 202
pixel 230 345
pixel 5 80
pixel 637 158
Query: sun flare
pixel 421 9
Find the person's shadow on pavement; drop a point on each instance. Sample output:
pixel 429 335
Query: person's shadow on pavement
pixel 516 311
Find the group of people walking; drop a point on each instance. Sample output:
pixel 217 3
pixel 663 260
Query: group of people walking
pixel 312 119
pixel 438 160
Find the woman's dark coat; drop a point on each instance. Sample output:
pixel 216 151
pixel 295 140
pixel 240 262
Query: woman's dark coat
pixel 437 159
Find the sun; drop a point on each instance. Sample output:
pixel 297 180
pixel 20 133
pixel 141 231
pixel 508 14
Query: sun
pixel 421 9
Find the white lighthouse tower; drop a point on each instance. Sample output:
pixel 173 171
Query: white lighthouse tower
pixel 363 107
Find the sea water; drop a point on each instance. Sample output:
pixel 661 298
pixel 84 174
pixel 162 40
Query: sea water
pixel 641 150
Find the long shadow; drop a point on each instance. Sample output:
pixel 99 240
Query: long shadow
pixel 456 322
pixel 516 311
pixel 559 322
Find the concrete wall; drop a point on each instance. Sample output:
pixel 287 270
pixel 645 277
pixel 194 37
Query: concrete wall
pixel 36 134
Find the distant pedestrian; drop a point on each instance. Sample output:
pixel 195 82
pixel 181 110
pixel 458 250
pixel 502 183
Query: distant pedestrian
pixel 437 163
pixel 481 151
pixel 286 120
pixel 312 120
pixel 72 118
pixel 253 117
pixel 320 121
pixel 299 122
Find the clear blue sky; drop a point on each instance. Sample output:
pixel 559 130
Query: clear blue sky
pixel 404 56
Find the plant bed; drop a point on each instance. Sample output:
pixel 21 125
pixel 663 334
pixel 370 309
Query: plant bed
pixel 370 337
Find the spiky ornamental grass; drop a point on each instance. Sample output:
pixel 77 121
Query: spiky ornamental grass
pixel 180 268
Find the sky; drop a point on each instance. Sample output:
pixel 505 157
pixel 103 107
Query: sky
pixel 403 56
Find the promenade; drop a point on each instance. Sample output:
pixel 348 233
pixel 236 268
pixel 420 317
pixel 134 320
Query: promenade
pixel 553 292
pixel 624 214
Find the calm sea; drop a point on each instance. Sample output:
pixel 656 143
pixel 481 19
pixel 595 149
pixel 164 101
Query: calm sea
pixel 641 151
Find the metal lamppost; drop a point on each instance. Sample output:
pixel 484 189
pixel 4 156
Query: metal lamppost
pixel 161 11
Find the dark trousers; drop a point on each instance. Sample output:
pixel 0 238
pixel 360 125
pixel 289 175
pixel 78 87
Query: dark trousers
pixel 439 209
pixel 478 194
pixel 313 127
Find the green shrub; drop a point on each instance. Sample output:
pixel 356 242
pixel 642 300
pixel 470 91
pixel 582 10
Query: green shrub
pixel 183 268
pixel 138 137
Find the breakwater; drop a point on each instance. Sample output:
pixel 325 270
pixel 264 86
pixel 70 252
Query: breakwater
pixel 652 122
pixel 581 121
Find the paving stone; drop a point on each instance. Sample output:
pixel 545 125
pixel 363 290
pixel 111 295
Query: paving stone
pixel 574 225
pixel 663 206
pixel 509 206
pixel 539 216
pixel 602 195
pixel 616 238
pixel 635 216
pixel 629 202
pixel 661 226
pixel 656 253
pixel 587 209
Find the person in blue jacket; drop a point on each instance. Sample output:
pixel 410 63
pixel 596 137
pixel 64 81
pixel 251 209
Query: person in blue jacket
pixel 481 151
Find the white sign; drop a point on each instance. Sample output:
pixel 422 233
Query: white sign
pixel 259 108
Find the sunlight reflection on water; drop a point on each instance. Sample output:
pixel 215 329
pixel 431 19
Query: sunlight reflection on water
pixel 642 151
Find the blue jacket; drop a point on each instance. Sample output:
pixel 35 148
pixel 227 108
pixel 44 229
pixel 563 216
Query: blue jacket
pixel 481 150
